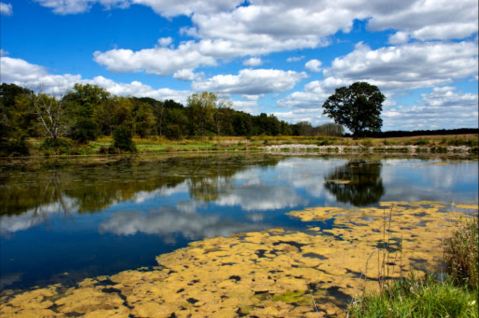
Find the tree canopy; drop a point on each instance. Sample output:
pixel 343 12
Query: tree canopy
pixel 357 107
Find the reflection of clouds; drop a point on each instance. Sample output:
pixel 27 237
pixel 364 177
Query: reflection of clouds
pixel 170 222
pixel 37 215
pixel 143 196
pixel 308 173
pixel 425 180
pixel 260 197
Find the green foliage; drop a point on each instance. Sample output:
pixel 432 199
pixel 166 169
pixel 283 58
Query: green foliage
pixel 84 130
pixel 122 139
pixel 17 120
pixel 417 298
pixel 56 146
pixel 358 107
pixel 462 256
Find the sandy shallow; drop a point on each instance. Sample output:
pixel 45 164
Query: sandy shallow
pixel 273 273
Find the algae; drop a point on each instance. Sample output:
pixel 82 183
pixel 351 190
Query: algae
pixel 273 273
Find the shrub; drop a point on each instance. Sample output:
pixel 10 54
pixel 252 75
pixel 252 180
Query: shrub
pixel 84 131
pixel 122 139
pixel 56 146
pixel 461 254
pixel 14 147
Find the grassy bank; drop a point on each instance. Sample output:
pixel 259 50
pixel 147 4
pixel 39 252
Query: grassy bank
pixel 456 296
pixel 154 145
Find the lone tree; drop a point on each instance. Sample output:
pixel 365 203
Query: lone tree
pixel 358 107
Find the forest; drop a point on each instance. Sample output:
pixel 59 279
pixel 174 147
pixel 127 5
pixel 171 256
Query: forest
pixel 89 111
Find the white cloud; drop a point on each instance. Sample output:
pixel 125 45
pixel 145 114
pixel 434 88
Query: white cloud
pixel 36 77
pixel 443 107
pixel 79 6
pixel 253 61
pixel 399 38
pixel 5 8
pixel 158 60
pixel 251 82
pixel 224 30
pixel 292 59
pixel 408 66
pixel 187 75
pixel 426 19
pixel 313 65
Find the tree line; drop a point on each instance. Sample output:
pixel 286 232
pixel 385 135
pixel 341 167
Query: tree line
pixel 89 111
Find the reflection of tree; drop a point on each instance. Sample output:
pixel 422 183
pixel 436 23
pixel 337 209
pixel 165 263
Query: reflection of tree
pixel 94 188
pixel 357 182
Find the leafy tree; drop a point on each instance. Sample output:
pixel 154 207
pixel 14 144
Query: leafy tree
pixel 202 107
pixel 122 139
pixel 144 120
pixel 358 107
pixel 81 104
pixel 330 129
pixel 17 119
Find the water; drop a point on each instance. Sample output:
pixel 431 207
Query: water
pixel 63 224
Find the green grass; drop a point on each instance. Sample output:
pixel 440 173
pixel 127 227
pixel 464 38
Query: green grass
pixel 461 254
pixel 455 297
pixel 417 298
pixel 157 145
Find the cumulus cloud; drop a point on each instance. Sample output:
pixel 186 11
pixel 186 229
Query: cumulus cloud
pixel 251 82
pixel 36 77
pixel 159 60
pixel 443 107
pixel 5 8
pixel 399 38
pixel 224 29
pixel 313 65
pixel 407 66
pixel 79 6
pixel 253 61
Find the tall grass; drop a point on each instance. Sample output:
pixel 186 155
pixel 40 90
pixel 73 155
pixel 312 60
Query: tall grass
pixel 456 296
pixel 417 298
pixel 461 254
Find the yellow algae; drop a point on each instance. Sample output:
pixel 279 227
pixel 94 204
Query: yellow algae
pixel 467 206
pixel 274 273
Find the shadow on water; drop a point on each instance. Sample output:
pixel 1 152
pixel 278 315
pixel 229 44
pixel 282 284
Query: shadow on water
pixel 357 182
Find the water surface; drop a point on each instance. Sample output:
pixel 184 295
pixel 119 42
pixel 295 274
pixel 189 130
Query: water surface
pixel 62 224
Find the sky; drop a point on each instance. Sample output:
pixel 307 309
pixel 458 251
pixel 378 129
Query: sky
pixel 275 56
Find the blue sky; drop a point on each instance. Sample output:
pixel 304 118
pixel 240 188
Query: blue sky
pixel 282 57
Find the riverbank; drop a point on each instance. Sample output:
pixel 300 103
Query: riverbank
pixel 463 145
pixel 271 273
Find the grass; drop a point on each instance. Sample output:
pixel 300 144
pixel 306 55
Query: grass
pixel 457 296
pixel 461 255
pixel 417 298
pixel 155 144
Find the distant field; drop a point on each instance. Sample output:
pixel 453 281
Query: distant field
pixel 258 143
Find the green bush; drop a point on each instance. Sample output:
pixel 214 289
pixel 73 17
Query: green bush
pixel 417 298
pixel 56 146
pixel 122 139
pixel 14 147
pixel 84 131
pixel 461 254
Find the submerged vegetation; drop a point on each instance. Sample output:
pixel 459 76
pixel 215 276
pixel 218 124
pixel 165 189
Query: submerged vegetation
pixel 272 273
